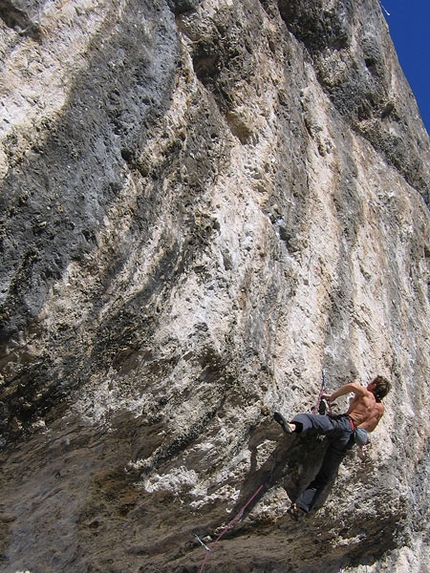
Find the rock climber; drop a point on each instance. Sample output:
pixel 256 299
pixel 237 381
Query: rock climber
pixel 363 415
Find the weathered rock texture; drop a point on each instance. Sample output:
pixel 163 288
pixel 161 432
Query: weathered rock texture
pixel 204 204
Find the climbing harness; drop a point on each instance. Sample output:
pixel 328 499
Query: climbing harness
pixel 226 528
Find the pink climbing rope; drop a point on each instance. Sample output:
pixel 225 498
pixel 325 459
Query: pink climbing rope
pixel 317 405
pixel 229 526
pixel 320 395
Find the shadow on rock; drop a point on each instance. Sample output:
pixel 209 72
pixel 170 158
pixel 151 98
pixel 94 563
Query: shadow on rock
pixel 292 465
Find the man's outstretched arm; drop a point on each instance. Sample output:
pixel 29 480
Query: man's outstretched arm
pixel 346 389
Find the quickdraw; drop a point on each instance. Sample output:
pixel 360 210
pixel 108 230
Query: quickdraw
pixel 315 409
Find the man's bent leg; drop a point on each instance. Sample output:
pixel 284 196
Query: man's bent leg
pixel 319 424
pixel 332 460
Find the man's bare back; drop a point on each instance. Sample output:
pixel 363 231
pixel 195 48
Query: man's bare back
pixel 363 410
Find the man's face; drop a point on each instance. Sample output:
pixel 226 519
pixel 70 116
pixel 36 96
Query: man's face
pixel 371 386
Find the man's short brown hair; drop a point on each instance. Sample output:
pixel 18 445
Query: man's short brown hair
pixel 383 386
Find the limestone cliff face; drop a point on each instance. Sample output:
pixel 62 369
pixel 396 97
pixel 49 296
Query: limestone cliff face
pixel 205 204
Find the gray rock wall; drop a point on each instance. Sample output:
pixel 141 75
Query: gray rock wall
pixel 204 205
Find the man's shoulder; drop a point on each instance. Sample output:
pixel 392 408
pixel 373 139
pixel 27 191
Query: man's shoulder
pixel 358 389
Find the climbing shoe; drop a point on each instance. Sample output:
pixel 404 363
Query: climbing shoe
pixel 295 512
pixel 288 429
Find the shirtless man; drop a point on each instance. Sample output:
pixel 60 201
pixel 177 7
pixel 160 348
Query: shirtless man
pixel 365 409
pixel 342 431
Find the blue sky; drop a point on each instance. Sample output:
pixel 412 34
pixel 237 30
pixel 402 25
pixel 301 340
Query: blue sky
pixel 409 23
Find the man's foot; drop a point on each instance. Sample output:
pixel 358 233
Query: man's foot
pixel 295 512
pixel 286 426
pixel 323 407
